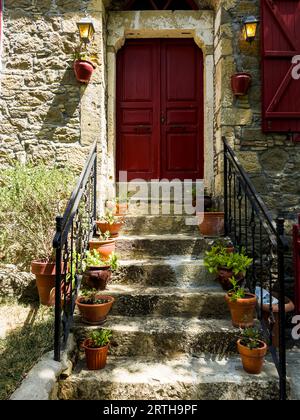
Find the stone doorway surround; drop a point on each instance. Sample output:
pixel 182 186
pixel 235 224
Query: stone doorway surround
pixel 198 25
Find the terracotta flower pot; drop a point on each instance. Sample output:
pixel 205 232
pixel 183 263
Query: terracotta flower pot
pixel 253 360
pixel 121 209
pixel 224 276
pixel 240 83
pixel 104 248
pixel 97 277
pixel 242 310
pixel 289 307
pixel 62 295
pixel 45 279
pixel 113 229
pixel 212 223
pixel 95 314
pixel 95 357
pixel 83 70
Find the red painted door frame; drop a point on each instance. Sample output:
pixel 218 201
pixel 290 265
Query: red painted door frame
pixel 160 109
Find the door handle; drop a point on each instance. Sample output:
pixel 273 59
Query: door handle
pixel 162 118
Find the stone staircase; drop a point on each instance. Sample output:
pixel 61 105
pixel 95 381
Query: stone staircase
pixel 172 335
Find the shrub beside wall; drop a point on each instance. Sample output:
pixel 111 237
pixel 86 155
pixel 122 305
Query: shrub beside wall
pixel 30 199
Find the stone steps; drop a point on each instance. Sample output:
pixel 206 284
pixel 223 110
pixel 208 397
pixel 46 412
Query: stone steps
pixel 183 378
pixel 176 271
pixel 201 302
pixel 149 225
pixel 160 337
pixel 161 246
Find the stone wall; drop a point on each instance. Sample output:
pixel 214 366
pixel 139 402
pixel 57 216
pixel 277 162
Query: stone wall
pixel 46 115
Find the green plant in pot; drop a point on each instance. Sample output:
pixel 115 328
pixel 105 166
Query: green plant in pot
pixel 96 348
pixel 252 350
pixel 93 306
pixel 98 271
pixel 226 264
pixel 104 244
pixel 241 305
pixel 110 223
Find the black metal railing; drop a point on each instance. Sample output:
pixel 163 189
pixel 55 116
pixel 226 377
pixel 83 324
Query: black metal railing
pixel 251 227
pixel 73 233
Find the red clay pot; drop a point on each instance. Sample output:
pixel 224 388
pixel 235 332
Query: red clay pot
pixel 253 360
pixel 289 307
pixel 240 83
pixel 212 223
pixel 83 70
pixel 62 294
pixel 104 248
pixel 113 229
pixel 242 311
pixel 95 314
pixel 97 277
pixel 224 276
pixel 95 358
pixel 121 209
pixel 45 279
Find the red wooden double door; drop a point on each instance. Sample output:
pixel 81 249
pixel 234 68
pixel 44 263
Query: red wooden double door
pixel 160 109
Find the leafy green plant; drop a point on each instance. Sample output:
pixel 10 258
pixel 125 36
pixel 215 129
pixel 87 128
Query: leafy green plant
pixel 30 199
pixel 100 338
pixel 104 236
pixel 94 259
pixel 219 257
pixel 90 297
pixel 236 292
pixel 110 218
pixel 251 338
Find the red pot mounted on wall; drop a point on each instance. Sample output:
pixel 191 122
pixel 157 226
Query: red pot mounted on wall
pixel 83 70
pixel 240 83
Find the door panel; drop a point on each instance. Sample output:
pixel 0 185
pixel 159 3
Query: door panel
pixel 182 102
pixel 138 105
pixel 160 109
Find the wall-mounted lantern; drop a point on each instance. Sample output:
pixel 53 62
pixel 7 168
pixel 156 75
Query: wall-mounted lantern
pixel 86 29
pixel 250 25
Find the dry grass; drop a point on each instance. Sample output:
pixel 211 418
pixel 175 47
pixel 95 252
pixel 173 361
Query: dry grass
pixel 26 333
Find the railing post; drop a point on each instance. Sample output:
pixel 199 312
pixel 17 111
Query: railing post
pixel 225 191
pixel 281 280
pixel 57 331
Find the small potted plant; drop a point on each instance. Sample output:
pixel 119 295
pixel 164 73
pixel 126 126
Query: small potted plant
pixel 104 244
pixel 96 348
pixel 252 350
pixel 94 307
pixel 222 261
pixel 98 271
pixel 83 67
pixel 241 305
pixel 240 83
pixel 110 223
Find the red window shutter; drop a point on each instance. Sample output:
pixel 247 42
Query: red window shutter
pixel 280 43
